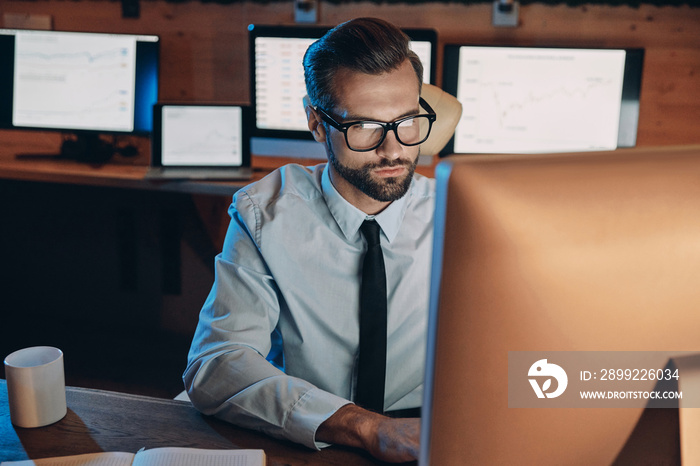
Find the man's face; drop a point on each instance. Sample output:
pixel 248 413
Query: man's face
pixel 384 174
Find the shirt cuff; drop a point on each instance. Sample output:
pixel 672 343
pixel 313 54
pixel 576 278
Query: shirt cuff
pixel 307 414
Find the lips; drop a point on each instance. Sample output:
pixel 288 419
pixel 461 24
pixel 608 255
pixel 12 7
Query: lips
pixel 389 172
pixel 391 169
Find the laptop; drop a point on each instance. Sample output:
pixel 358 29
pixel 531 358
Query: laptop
pixel 200 141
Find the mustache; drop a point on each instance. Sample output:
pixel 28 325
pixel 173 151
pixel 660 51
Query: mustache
pixel 385 163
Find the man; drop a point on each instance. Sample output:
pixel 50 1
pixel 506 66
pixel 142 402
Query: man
pixel 292 261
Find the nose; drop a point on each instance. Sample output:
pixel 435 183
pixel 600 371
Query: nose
pixel 390 148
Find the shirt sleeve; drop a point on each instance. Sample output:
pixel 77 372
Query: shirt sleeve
pixel 227 374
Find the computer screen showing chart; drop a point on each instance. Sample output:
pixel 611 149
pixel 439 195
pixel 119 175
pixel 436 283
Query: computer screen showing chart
pixel 537 99
pixel 77 81
pixel 278 88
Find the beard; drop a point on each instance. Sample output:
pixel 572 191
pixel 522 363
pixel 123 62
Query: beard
pixel 383 190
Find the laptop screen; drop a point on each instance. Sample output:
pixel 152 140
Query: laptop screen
pixel 201 135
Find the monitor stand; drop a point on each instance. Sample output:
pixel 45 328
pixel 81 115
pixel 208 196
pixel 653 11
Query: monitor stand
pixel 284 147
pixel 689 382
pixel 87 147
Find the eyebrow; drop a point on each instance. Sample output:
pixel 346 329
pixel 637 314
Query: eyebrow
pixel 351 117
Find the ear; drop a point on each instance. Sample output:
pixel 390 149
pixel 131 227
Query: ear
pixel 315 124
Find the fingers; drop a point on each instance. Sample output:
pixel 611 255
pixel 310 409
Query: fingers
pixel 394 440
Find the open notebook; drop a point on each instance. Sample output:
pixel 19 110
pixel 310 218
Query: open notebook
pixel 200 141
pixel 171 456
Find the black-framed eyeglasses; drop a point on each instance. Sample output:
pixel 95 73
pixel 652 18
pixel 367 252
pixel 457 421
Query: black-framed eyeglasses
pixel 365 135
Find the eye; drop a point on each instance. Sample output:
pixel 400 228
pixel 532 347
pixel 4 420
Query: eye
pixel 369 126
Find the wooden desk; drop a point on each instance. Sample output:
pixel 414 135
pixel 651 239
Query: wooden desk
pixel 107 421
pixel 122 172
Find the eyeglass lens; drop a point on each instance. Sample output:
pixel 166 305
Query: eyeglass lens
pixel 368 135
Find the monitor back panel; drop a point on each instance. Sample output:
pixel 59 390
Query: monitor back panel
pixel 561 252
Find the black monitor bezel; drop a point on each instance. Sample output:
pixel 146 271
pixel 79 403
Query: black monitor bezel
pixel 312 32
pixel 632 77
pixel 147 63
pixel 156 142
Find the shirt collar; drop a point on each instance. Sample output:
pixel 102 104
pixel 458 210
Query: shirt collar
pixel 349 218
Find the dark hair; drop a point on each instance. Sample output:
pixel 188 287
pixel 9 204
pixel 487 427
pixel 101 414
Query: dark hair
pixel 366 45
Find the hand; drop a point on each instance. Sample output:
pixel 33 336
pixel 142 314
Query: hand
pixel 397 440
pixel 387 439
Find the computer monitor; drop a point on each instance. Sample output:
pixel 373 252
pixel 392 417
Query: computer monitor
pixel 277 85
pixel 540 99
pixel 78 82
pixel 591 254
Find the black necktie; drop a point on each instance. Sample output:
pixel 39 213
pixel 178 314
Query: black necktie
pixel 371 370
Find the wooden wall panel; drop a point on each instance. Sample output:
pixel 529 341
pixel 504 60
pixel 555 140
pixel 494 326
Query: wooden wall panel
pixel 670 106
pixel 205 47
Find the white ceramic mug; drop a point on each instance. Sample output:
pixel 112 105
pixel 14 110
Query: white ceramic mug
pixel 36 386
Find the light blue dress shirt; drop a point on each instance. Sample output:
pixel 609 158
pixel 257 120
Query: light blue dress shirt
pixel 291 262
